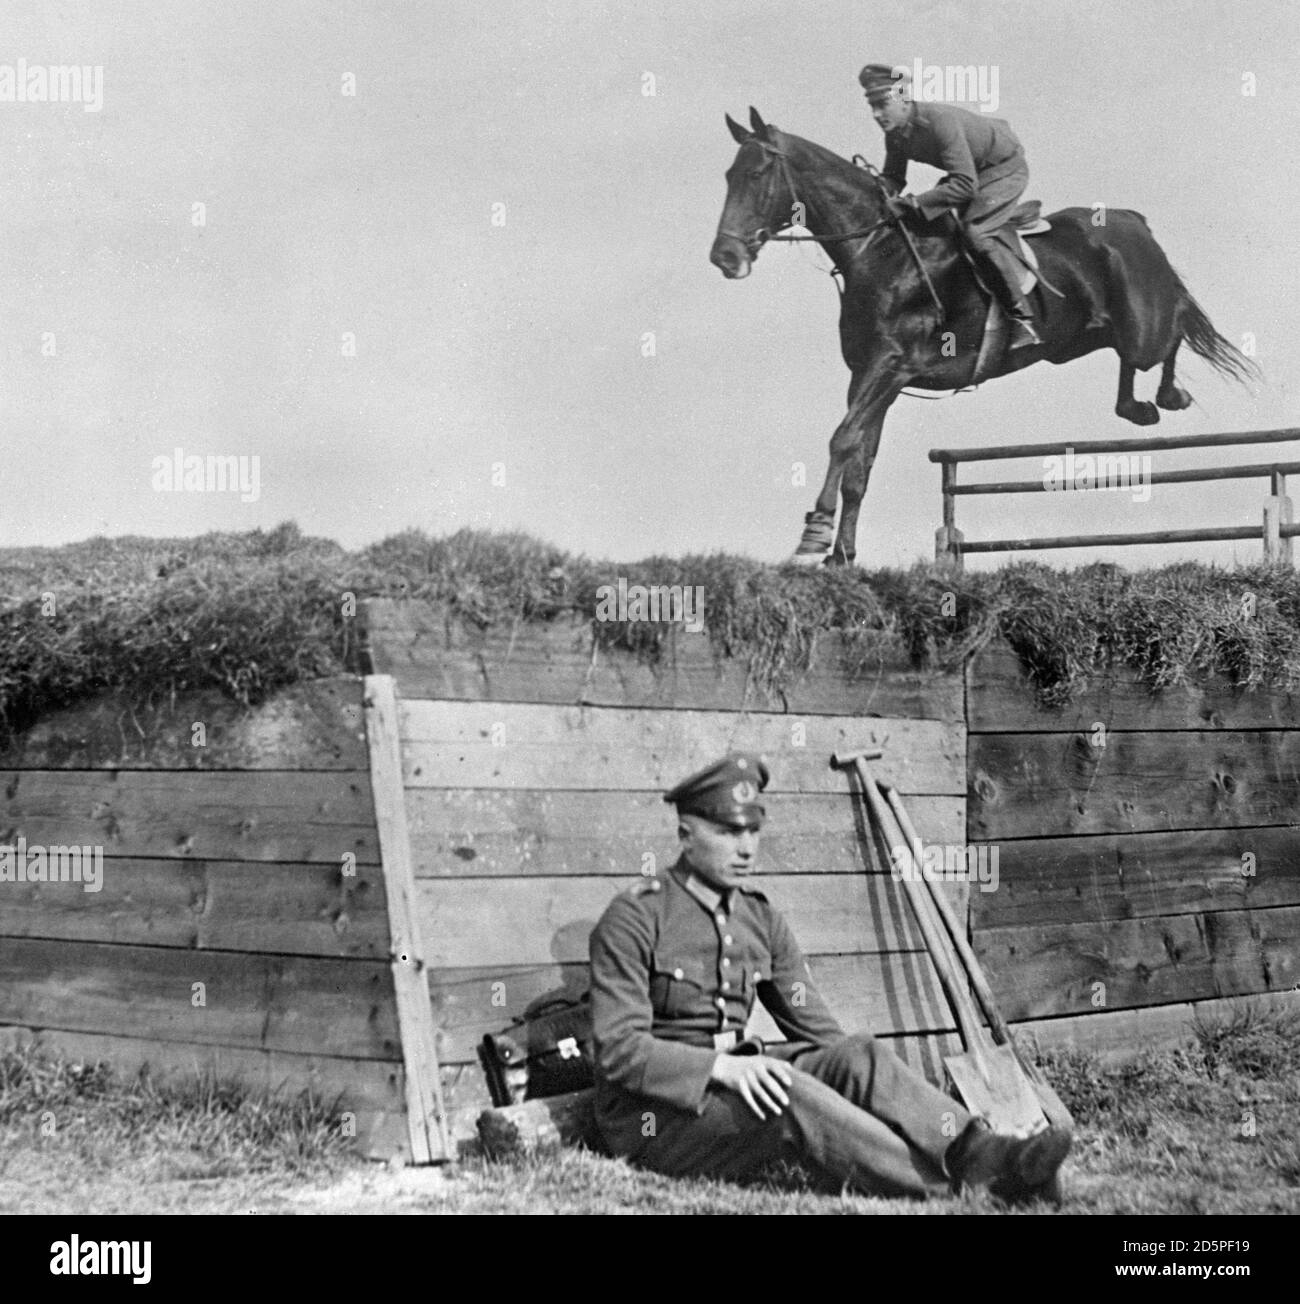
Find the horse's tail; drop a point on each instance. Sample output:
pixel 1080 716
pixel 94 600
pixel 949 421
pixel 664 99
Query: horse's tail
pixel 1203 340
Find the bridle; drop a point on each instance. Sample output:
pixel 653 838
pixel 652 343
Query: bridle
pixel 762 235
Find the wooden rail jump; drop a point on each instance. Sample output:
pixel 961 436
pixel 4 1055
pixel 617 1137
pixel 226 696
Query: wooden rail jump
pixel 1276 532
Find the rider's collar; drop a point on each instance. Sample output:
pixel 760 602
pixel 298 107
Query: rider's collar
pixel 904 128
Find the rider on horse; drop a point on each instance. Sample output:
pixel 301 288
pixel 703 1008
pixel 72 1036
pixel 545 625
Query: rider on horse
pixel 986 174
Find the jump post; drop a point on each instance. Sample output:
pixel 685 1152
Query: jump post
pixel 1277 530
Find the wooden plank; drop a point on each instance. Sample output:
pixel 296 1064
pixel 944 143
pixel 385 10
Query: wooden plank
pixel 543 920
pixel 485 832
pixel 1134 875
pixel 426 1116
pixel 882 994
pixel 1000 699
pixel 1002 452
pixel 1045 785
pixel 431 656
pixel 1052 969
pixel 299 1004
pixel 521 745
pixel 542 1126
pixel 371 1090
pixel 1121 1034
pixel 314 725
pixel 217 815
pixel 210 905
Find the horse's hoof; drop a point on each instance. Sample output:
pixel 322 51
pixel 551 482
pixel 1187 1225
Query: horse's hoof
pixel 810 558
pixel 1139 413
pixel 1173 399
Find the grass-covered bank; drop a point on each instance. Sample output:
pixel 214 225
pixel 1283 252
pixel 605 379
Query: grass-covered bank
pixel 1212 1126
pixel 249 613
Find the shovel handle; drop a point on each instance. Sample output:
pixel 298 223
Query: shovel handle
pixel 931 930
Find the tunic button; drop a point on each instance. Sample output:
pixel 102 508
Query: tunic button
pixel 726 987
pixel 677 973
pixel 726 941
pixel 722 919
pixel 721 1003
pixel 726 964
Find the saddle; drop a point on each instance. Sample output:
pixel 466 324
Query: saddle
pixel 1024 220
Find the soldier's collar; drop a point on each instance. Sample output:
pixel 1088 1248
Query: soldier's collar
pixel 904 128
pixel 709 897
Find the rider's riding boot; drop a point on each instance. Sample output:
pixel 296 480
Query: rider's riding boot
pixel 1005 283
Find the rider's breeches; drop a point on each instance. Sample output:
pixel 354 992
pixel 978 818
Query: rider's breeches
pixel 999 190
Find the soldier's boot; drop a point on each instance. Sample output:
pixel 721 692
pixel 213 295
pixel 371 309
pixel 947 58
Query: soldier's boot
pixel 1013 1168
pixel 1004 274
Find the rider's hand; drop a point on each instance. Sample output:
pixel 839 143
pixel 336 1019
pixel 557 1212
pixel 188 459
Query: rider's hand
pixel 902 206
pixel 760 1080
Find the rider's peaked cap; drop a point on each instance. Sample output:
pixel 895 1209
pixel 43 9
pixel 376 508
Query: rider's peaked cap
pixel 879 79
pixel 725 792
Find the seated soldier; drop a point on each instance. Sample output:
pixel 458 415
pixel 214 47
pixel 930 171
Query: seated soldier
pixel 676 964
pixel 985 169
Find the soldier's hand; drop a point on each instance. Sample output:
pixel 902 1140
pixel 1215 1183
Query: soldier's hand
pixel 760 1080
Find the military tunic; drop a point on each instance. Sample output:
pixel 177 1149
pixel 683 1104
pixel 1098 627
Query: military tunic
pixel 676 967
pixel 981 157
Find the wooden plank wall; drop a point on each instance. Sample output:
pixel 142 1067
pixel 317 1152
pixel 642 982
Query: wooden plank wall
pixel 225 865
pixel 1149 852
pixel 534 766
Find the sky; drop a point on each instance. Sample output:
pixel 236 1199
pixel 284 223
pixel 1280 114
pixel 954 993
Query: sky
pixel 412 257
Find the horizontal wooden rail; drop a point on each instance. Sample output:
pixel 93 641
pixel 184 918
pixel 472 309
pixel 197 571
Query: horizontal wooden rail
pixel 1005 451
pixel 1256 470
pixel 1150 536
pixel 1275 532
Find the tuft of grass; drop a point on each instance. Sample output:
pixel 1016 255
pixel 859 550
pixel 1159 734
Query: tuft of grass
pixel 203 1127
pixel 250 613
pixel 1254 1042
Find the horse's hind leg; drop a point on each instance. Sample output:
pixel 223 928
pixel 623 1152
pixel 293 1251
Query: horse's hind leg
pixel 1171 397
pixel 1126 406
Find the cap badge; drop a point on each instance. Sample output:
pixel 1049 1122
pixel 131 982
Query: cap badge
pixel 744 792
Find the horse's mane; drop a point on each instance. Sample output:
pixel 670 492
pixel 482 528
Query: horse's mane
pixel 827 157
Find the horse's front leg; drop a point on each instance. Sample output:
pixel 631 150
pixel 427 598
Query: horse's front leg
pixel 853 486
pixel 870 393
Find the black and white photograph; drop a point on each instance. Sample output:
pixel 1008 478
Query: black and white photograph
pixel 657 608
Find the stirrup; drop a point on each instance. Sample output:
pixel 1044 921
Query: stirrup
pixel 1026 334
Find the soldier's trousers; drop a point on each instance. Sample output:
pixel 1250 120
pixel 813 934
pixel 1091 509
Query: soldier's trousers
pixel 858 1117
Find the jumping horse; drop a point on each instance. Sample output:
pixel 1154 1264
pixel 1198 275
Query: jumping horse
pixel 912 311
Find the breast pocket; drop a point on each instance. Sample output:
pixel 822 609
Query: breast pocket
pixel 678 986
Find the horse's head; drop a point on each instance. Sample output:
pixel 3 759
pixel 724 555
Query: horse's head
pixel 760 200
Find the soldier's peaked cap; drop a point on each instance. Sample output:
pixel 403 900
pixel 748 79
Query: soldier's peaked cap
pixel 725 791
pixel 879 79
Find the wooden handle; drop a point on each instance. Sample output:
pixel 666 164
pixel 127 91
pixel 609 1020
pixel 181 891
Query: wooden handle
pixel 931 930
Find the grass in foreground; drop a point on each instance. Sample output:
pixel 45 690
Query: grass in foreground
pixel 1210 1127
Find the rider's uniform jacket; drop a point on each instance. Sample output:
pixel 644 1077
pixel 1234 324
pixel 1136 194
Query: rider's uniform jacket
pixel 972 149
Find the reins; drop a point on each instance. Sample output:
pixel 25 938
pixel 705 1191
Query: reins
pixel 762 235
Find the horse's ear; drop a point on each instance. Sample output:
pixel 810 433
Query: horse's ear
pixel 756 121
pixel 738 132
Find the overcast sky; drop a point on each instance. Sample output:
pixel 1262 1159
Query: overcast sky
pixel 518 348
